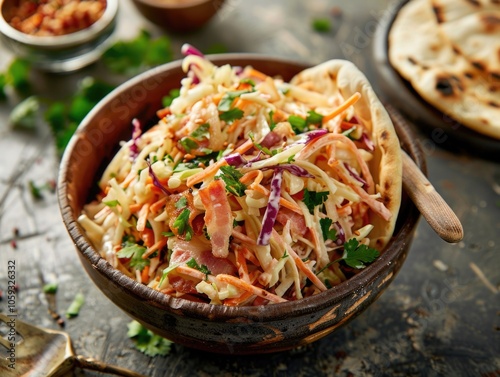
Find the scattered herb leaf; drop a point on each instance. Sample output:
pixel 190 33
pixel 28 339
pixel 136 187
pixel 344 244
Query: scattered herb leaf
pixel 25 114
pixel 112 203
pixel 357 255
pixel 322 24
pixel 231 178
pixel 328 234
pixel 201 132
pixel 181 203
pixel 188 144
pixel 228 98
pixel 74 308
pixel 134 252
pixel 50 288
pixel 314 198
pixel 203 269
pixel 231 115
pixel 148 342
pixel 167 100
pixel 181 223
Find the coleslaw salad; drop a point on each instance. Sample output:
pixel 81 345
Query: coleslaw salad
pixel 248 191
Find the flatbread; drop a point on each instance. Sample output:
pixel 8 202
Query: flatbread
pixel 339 77
pixel 473 29
pixel 439 73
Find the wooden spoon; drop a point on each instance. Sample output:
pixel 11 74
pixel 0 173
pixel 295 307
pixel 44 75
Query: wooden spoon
pixel 431 205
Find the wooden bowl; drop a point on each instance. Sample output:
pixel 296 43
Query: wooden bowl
pixel 179 16
pixel 229 330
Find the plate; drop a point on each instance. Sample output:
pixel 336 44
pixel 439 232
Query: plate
pixel 442 130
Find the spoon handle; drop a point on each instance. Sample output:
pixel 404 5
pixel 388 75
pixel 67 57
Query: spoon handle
pixel 92 364
pixel 431 205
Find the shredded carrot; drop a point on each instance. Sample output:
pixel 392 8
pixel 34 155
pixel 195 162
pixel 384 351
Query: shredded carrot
pixel 241 264
pixel 212 169
pixel 155 247
pixel 147 236
pixel 156 206
pixel 185 270
pixel 254 176
pixel 238 283
pixel 236 301
pixel 299 263
pixel 252 72
pixel 284 202
pixel 145 275
pixel 143 217
pixel 350 102
pixel 134 207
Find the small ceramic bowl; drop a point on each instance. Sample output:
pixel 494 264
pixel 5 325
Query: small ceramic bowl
pixel 221 329
pixel 179 16
pixel 60 53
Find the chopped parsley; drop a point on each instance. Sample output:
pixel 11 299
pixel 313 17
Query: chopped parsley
pixel 203 269
pixel 328 234
pixel 148 342
pixel 134 252
pixel 314 198
pixel 181 223
pixel 231 178
pixel 285 255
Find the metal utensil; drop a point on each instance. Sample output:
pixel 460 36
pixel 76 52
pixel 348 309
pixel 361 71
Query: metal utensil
pixel 45 352
pixel 429 202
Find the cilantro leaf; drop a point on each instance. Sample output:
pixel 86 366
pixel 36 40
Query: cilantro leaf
pixel 231 178
pixel 3 83
pixel 25 114
pixel 314 198
pixel 328 234
pixel 188 144
pixel 181 223
pixel 181 203
pixel 193 264
pixel 231 115
pixel 228 98
pixel 148 342
pixel 112 203
pixel 358 255
pixel 142 52
pixel 134 252
pixel 201 132
pixel 300 125
pixel 18 76
pixel 167 100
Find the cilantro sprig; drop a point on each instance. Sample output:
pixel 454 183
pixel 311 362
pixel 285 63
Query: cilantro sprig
pixel 355 255
pixel 300 125
pixel 314 198
pixel 231 177
pixel 181 223
pixel 134 252
pixel 328 234
pixel 203 268
pixel 148 342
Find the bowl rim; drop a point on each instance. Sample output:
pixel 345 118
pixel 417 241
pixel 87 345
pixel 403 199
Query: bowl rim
pixel 65 40
pixel 354 285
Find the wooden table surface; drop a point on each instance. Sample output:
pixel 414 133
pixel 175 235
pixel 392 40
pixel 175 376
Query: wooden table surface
pixel 441 315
